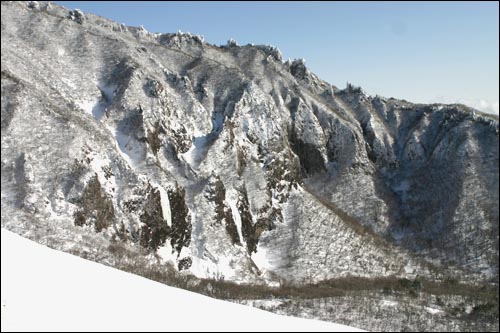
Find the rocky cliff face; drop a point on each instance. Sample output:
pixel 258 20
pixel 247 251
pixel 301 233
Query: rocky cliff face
pixel 230 163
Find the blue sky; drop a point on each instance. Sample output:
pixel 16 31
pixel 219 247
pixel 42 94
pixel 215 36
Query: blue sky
pixel 423 52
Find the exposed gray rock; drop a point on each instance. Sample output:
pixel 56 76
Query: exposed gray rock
pixel 77 16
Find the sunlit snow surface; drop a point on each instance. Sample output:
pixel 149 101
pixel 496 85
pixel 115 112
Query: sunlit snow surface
pixel 43 289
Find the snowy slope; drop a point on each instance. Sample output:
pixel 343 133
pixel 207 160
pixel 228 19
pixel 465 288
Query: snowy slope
pixel 48 290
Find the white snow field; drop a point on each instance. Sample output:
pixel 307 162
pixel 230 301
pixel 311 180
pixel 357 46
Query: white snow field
pixel 48 290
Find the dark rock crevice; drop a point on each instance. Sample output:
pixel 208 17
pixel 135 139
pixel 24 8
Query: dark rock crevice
pixel 180 233
pixel 95 207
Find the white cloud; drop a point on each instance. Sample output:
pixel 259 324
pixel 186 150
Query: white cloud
pixel 482 105
pixel 487 106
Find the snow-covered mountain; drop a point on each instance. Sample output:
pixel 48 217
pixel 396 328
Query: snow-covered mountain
pixel 229 163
